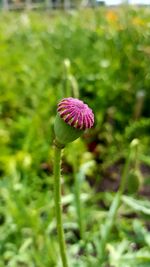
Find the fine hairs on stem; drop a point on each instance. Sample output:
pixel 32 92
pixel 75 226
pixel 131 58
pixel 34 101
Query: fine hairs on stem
pixel 57 193
pixel 72 119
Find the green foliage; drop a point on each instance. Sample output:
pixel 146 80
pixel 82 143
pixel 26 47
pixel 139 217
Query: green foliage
pixel 108 53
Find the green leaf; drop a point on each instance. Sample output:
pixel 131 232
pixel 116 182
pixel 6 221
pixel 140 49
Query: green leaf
pixel 142 206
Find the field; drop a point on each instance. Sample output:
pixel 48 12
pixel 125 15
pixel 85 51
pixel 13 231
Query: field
pixel 101 56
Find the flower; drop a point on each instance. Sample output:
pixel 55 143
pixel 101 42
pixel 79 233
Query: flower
pixel 111 16
pixel 72 119
pixel 75 113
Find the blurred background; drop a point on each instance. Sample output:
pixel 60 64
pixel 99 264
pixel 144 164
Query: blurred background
pixel 67 4
pixel 98 51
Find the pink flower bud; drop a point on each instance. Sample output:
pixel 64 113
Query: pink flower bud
pixel 75 113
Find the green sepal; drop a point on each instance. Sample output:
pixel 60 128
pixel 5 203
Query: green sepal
pixel 65 133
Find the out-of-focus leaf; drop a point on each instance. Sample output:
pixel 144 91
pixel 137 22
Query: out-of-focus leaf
pixel 141 206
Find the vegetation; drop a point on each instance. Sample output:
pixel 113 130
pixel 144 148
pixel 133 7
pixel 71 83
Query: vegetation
pixel 101 56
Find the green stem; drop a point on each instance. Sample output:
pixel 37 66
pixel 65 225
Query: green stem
pixel 60 231
pixel 113 209
pixel 125 172
pixel 108 226
pixel 136 166
pixel 79 207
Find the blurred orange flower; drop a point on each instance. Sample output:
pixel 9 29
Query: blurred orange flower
pixel 111 16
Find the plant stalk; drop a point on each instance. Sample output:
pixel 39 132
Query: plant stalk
pixel 58 205
pixel 79 206
pixel 113 210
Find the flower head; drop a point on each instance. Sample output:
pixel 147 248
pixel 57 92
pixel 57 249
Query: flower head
pixel 75 113
pixel 72 119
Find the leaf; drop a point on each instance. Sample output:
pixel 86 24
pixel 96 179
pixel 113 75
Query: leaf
pixel 142 206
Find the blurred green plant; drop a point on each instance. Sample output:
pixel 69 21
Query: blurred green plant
pixel 108 53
